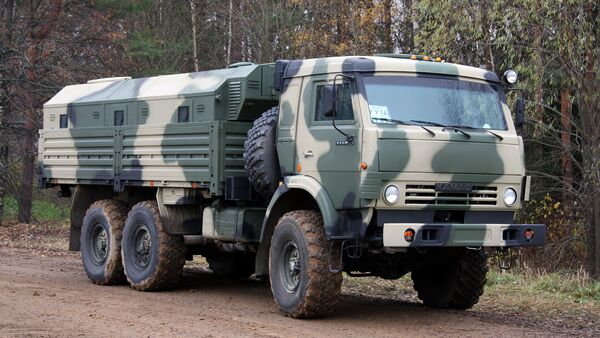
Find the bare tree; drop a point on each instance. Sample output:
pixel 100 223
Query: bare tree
pixel 194 34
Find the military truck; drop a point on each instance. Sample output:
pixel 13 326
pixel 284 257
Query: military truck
pixel 299 170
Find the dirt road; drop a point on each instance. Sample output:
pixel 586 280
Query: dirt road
pixel 49 295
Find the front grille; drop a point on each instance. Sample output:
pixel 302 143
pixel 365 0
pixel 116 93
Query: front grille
pixel 426 194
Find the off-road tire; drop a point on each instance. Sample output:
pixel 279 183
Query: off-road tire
pixel 260 154
pixel 109 216
pixel 166 256
pixel 456 284
pixel 318 288
pixel 236 265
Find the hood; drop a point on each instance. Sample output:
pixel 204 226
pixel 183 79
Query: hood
pixel 450 152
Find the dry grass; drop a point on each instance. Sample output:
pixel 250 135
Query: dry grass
pixel 50 237
pixel 567 300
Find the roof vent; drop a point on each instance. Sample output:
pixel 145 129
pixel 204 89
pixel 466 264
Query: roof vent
pixel 241 64
pixel 110 79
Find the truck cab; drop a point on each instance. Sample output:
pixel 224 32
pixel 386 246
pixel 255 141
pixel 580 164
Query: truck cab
pixel 414 165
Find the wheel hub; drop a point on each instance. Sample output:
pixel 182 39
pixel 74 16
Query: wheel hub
pixel 143 247
pixel 99 244
pixel 292 266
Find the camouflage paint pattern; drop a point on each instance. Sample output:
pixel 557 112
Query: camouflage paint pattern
pixel 153 149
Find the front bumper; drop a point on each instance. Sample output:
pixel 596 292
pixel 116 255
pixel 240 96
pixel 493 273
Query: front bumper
pixel 462 235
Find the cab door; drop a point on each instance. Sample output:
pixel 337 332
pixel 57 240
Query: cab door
pixel 322 152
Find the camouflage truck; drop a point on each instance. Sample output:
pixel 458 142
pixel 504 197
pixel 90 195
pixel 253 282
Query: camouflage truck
pixel 295 171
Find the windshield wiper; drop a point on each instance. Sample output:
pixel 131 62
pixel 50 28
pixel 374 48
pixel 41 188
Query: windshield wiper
pixel 429 123
pixel 479 129
pixel 409 123
pixel 455 128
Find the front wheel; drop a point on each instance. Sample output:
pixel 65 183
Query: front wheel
pixel 152 258
pixel 301 282
pixel 456 284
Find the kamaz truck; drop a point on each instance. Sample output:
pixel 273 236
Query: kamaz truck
pixel 296 172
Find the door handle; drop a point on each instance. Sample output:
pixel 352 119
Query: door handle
pixel 308 153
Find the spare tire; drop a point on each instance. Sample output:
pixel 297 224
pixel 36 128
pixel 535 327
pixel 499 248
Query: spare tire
pixel 260 154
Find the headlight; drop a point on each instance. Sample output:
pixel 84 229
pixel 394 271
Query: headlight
pixel 510 76
pixel 510 196
pixel 391 194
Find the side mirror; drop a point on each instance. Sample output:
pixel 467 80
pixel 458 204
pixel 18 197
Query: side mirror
pixel 327 100
pixel 520 111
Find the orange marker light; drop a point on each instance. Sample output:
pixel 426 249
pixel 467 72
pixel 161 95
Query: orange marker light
pixel 151 184
pixel 528 235
pixel 409 235
pixel 438 59
pixel 194 185
pixel 299 167
pixel 363 165
pixel 426 58
pixel 413 57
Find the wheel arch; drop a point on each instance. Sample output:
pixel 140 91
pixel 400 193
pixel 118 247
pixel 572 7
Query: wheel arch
pixel 301 192
pixel 83 197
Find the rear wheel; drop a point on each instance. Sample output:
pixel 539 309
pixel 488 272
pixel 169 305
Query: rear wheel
pixel 456 284
pixel 101 241
pixel 302 284
pixel 152 258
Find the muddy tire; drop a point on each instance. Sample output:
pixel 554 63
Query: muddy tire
pixel 260 154
pixel 232 265
pixel 302 285
pixel 152 258
pixel 457 284
pixel 100 240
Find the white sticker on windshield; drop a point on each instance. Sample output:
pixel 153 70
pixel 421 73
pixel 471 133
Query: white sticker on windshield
pixel 486 126
pixel 379 112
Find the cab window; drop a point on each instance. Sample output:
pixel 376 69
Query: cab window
pixel 343 105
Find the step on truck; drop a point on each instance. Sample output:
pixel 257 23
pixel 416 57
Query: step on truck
pixel 295 172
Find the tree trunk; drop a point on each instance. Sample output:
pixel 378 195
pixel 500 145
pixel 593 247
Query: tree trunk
pixel 538 93
pixel 229 33
pixel 26 188
pixel 488 55
pixel 194 29
pixel 387 26
pixel 408 34
pixel 9 10
pixel 565 140
pixel 3 156
pixel 38 32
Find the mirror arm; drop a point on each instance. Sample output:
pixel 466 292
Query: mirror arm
pixel 521 96
pixel 510 89
pixel 349 138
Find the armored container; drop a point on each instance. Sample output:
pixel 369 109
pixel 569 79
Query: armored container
pixel 181 130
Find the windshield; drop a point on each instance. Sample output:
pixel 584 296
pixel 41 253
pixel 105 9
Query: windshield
pixel 434 101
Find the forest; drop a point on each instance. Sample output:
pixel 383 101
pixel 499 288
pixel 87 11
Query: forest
pixel 552 44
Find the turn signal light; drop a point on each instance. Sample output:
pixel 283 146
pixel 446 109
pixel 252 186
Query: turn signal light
pixel 409 235
pixel 363 165
pixel 528 234
pixel 413 57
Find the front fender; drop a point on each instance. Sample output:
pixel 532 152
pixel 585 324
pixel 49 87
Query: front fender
pixel 339 224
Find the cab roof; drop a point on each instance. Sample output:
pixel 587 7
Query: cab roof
pixel 383 64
